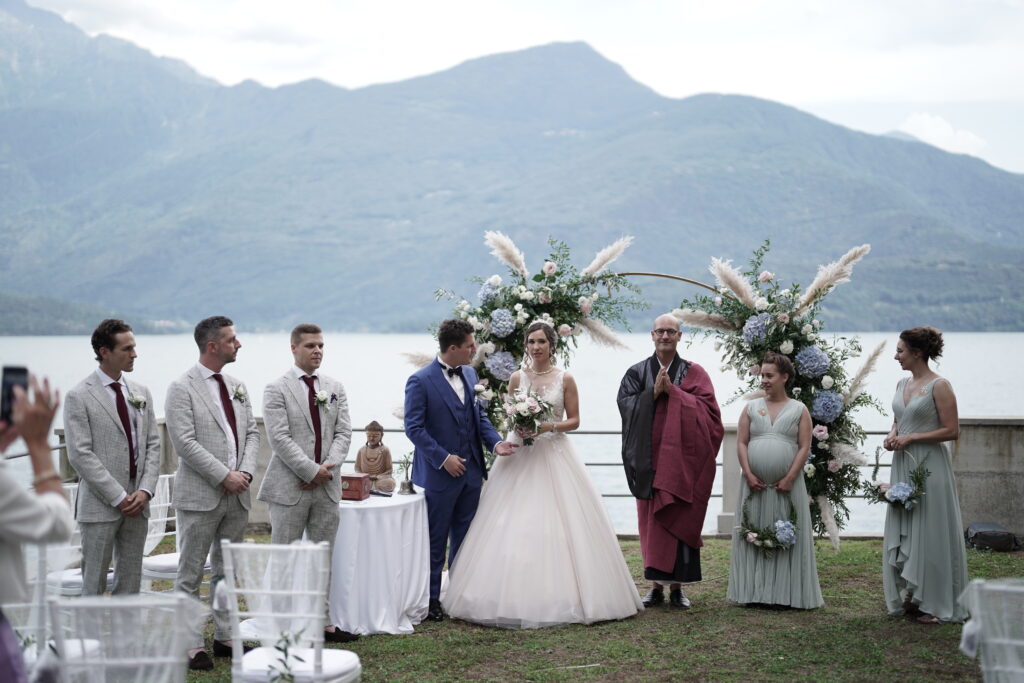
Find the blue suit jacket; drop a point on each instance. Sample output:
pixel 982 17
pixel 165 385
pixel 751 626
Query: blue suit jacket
pixel 432 420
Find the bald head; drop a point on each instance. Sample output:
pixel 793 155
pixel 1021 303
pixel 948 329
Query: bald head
pixel 665 335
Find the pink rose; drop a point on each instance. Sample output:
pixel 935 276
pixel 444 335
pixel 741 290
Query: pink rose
pixel 550 268
pixel 882 486
pixel 765 276
pixel 564 330
pixel 586 305
pixel 820 432
pixel 834 465
pixel 783 318
pixel 755 370
pixel 532 405
pixel 543 297
pixel 751 537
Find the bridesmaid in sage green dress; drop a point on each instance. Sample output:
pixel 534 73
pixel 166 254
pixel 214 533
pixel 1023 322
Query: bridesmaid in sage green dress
pixel 773 440
pixel 924 564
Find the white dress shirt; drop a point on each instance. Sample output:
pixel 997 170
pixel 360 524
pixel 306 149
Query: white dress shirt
pixel 300 373
pixel 454 381
pixel 133 420
pixel 214 388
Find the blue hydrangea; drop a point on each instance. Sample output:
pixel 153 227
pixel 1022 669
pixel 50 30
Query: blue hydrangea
pixel 827 406
pixel 756 327
pixel 812 362
pixel 501 365
pixel 900 491
pixel 487 292
pixel 502 322
pixel 786 533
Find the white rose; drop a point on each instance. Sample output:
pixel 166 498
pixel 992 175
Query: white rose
pixel 487 394
pixel 518 307
pixel 527 295
pixel 760 303
pixel 718 301
pixel 817 324
pixel 479 388
pixel 784 292
pixel 321 396
pixel 522 408
pixel 494 280
pixel 487 348
pixel 806 329
pixel 812 337
pixel 796 391
pixel 786 348
pixel 768 544
pixel 827 382
pixel 809 470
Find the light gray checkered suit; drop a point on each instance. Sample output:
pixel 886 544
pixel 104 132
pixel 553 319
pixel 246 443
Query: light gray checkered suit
pixel 205 512
pixel 98 450
pixel 292 440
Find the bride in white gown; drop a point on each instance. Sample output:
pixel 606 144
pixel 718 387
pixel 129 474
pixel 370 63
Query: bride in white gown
pixel 541 550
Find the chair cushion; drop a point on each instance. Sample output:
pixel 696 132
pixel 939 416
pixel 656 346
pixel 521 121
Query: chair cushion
pixel 165 565
pixel 338 665
pixel 69 581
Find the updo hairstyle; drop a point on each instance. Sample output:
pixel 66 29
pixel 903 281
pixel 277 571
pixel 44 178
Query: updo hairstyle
pixel 925 340
pixel 783 364
pixel 549 332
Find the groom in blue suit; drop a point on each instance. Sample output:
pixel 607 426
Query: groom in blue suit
pixel 447 426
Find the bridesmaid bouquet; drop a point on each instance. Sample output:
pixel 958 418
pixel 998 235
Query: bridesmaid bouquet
pixel 900 493
pixel 778 536
pixel 524 411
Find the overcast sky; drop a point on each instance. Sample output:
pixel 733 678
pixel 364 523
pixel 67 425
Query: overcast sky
pixel 947 71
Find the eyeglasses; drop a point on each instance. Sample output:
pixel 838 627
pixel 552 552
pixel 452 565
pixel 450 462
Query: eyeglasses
pixel 664 333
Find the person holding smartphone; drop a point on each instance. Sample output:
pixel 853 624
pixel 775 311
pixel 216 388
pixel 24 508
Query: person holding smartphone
pixel 27 517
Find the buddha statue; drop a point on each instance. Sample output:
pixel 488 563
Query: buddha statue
pixel 375 459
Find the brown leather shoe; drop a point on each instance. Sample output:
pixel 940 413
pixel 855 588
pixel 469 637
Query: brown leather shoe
pixel 655 596
pixel 200 661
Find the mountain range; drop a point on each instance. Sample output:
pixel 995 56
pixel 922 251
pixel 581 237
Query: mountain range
pixel 130 182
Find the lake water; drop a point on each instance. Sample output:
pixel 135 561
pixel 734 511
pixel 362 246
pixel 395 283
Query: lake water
pixel 373 370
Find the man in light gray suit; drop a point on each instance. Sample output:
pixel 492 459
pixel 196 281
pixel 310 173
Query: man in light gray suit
pixel 306 416
pixel 214 433
pixel 113 443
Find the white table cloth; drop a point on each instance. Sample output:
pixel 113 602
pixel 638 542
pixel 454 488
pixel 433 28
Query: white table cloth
pixel 380 569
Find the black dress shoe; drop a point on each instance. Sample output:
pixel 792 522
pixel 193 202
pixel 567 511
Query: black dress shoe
pixel 222 649
pixel 655 596
pixel 339 636
pixel 200 661
pixel 435 612
pixel 677 600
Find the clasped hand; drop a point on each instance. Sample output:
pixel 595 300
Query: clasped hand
pixel 133 504
pixel 661 383
pixel 897 442
pixel 234 483
pixel 322 476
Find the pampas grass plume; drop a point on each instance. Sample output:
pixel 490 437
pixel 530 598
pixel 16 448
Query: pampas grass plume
pixel 727 275
pixel 417 359
pixel 506 251
pixel 831 275
pixel 601 334
pixel 856 386
pixel 828 518
pixel 693 318
pixel 605 257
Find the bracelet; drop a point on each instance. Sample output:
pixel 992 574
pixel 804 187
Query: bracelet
pixel 45 475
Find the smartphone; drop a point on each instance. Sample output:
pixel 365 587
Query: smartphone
pixel 14 376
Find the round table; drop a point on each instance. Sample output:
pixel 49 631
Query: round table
pixel 380 567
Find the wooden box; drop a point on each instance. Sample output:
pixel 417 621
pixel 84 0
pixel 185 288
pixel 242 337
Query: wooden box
pixel 355 486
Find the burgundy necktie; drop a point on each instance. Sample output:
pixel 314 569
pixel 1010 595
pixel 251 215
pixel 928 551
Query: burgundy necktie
pixel 314 412
pixel 126 424
pixel 229 410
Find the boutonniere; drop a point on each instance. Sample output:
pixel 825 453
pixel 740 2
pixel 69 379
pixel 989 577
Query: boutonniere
pixel 137 402
pixel 240 394
pixel 321 398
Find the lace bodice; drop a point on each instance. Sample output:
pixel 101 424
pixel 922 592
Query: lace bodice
pixel 549 386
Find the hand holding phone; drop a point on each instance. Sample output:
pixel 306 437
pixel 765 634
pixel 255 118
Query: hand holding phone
pixel 14 376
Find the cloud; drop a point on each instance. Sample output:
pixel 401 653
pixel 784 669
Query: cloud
pixel 939 132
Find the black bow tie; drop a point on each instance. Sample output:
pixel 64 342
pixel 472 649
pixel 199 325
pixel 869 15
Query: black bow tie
pixel 454 371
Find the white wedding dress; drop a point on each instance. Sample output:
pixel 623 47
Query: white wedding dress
pixel 541 550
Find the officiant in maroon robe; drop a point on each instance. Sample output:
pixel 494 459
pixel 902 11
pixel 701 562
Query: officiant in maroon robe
pixel 671 432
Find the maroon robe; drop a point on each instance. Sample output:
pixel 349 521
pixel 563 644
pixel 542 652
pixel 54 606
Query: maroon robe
pixel 686 433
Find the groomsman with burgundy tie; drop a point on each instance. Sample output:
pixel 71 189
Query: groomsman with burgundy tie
pixel 113 443
pixel 306 416
pixel 213 430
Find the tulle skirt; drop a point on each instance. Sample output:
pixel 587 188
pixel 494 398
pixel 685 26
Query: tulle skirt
pixel 541 550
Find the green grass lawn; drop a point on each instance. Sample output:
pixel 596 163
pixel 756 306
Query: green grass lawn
pixel 850 639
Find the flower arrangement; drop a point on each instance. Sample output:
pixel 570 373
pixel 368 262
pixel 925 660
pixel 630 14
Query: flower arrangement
pixel 320 398
pixel 572 301
pixel 524 411
pixel 137 402
pixel 751 313
pixel 780 535
pixel 906 495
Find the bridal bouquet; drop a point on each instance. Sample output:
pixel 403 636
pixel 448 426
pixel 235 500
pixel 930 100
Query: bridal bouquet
pixel 524 411
pixel 901 493
pixel 778 536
